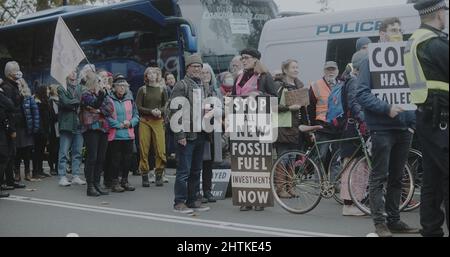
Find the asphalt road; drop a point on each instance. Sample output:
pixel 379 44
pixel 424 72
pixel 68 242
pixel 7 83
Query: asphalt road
pixel 46 209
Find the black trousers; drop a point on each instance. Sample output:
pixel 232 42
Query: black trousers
pixel 23 153
pixel 96 144
pixel 9 164
pixel 207 176
pixel 40 141
pixel 434 191
pixel 53 149
pixel 107 167
pixel 121 153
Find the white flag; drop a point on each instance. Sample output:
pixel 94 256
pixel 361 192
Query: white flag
pixel 66 55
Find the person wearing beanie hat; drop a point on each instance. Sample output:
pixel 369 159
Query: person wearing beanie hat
pixel 193 59
pixel 151 102
pixel 426 66
pixel 358 58
pixel 255 79
pixel 362 43
pixel 190 142
pixel 122 121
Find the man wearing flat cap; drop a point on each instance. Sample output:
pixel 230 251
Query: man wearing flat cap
pixel 426 66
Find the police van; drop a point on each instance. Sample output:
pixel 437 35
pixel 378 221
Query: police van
pixel 313 39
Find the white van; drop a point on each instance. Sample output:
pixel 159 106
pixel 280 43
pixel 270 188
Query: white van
pixel 313 39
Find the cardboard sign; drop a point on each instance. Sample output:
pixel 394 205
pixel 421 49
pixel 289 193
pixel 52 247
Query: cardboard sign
pixel 388 76
pixel 219 185
pixel 297 97
pixel 251 153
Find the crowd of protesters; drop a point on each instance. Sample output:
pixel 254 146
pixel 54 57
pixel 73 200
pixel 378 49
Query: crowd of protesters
pixel 96 109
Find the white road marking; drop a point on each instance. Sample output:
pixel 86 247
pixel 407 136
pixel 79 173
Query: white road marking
pixel 174 219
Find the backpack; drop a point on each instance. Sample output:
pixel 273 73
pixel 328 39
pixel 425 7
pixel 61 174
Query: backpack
pixel 336 115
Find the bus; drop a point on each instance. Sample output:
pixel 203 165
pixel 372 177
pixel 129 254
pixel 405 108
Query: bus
pixel 128 36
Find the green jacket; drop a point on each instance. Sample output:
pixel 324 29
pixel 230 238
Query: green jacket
pixel 69 109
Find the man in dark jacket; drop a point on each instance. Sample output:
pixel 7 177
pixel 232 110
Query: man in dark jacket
pixel 391 130
pixel 6 135
pixel 11 91
pixel 190 141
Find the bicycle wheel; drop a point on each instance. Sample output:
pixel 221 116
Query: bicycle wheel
pixel 415 164
pixel 296 173
pixel 336 162
pixel 359 186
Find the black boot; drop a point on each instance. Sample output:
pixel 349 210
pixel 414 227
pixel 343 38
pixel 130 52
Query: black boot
pixel 91 191
pixel 124 183
pixel 116 188
pixel 158 178
pixel 145 182
pixel 100 189
pixel 3 195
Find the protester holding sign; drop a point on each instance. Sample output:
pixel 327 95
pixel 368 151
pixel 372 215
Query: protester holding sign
pixel 391 130
pixel 294 114
pixel 426 63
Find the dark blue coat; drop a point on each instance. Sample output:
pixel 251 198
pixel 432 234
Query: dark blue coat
pixel 31 113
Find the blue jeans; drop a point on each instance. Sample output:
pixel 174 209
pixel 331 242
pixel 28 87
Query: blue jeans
pixel 389 155
pixel 74 142
pixel 189 165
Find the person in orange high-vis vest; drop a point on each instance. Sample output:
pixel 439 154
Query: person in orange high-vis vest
pixel 319 92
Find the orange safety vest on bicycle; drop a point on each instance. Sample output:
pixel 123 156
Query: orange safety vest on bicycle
pixel 321 92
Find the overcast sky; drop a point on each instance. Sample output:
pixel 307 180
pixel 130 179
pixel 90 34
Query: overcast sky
pixel 337 5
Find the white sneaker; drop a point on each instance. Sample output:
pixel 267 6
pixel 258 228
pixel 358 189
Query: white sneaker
pixel 151 176
pixel 64 182
pixel 351 210
pixel 78 180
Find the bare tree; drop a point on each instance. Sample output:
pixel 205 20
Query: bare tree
pixel 325 6
pixel 11 9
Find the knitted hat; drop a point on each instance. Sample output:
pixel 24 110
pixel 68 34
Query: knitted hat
pixel 361 42
pixel 194 58
pixel 358 58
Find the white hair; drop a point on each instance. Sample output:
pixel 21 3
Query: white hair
pixel 85 69
pixel 10 68
pixel 213 76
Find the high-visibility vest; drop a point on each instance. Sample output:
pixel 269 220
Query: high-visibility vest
pixel 418 84
pixel 322 92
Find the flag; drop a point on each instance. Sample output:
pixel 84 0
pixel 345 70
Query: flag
pixel 66 54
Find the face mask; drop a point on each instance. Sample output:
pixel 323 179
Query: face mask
pixel 228 82
pixel 396 38
pixel 18 75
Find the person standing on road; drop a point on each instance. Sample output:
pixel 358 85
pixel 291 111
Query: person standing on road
pixel 53 141
pixel 289 137
pixel 95 109
pixel 190 144
pixel 7 133
pixel 391 129
pixel 426 64
pixel 122 121
pixel 151 103
pixel 70 130
pixel 42 135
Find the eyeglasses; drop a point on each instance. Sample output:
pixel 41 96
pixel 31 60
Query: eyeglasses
pixel 394 31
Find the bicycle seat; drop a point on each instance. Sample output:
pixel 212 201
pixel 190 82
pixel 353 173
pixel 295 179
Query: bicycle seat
pixel 306 128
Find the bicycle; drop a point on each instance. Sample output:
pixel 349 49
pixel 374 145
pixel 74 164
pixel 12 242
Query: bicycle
pixel 299 171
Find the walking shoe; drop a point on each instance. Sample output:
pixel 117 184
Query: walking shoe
pixel 116 188
pixel 182 208
pixel 259 208
pixel 100 190
pixel 124 183
pixel 3 195
pixel 6 187
pixel 44 174
pixel 91 191
pixel 245 208
pixel 159 180
pixel 198 206
pixel 64 182
pixel 382 230
pixel 401 227
pixel 28 177
pixel 145 182
pixel 283 194
pixel 77 180
pixel 209 197
pixel 351 210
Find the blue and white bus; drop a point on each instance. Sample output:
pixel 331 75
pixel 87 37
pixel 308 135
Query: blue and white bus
pixel 127 36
